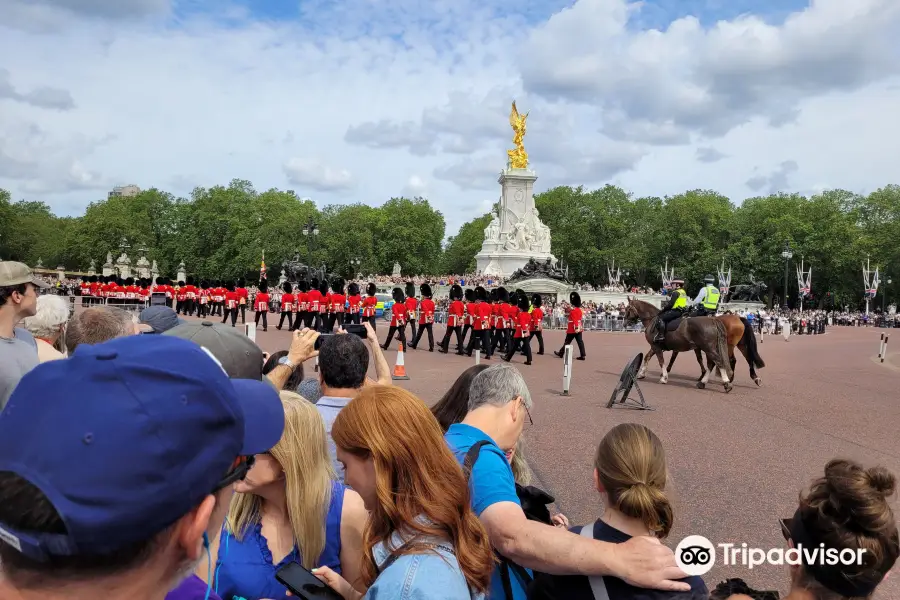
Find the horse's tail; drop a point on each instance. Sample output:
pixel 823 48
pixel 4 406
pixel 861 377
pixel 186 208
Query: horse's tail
pixel 749 340
pixel 722 347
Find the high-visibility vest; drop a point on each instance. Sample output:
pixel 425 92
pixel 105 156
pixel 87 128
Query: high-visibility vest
pixel 711 302
pixel 681 300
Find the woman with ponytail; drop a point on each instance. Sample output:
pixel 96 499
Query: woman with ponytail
pixel 630 474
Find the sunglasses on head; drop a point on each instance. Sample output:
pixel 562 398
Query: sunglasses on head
pixel 239 469
pixel 785 528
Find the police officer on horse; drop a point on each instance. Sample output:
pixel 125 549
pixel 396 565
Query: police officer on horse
pixel 674 308
pixel 707 301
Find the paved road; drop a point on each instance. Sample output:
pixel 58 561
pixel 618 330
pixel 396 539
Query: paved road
pixel 737 461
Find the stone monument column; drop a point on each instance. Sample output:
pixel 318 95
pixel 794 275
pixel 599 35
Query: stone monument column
pixel 181 276
pixel 108 267
pixel 60 273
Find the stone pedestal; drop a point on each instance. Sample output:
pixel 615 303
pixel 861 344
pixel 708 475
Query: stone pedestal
pixel 516 234
pixel 396 272
pixel 143 267
pixel 181 275
pixel 282 278
pixel 60 273
pixel 740 305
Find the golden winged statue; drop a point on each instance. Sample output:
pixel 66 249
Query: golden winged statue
pixel 518 158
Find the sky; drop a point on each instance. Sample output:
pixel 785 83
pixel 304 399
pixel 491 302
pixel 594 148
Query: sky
pixel 362 100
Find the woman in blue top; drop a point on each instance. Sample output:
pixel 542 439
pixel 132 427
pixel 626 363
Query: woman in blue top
pixel 423 541
pixel 289 508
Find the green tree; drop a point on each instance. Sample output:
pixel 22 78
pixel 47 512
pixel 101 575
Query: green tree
pixel 459 254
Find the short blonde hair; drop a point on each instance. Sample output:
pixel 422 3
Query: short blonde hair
pixel 52 312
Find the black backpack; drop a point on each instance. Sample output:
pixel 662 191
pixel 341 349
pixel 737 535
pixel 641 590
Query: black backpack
pixel 534 504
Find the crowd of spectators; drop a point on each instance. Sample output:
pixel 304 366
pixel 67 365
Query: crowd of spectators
pixel 191 465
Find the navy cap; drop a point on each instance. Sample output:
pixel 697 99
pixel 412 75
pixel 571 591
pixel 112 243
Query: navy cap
pixel 126 437
pixel 160 318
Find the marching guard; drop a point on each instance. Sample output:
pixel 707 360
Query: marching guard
pixel 455 317
pixel 521 336
pixel 287 306
pixel 398 319
pixel 537 322
pixel 261 305
pixel 575 327
pixel 481 325
pixel 426 318
pixel 369 304
pixel 337 304
pixel 355 303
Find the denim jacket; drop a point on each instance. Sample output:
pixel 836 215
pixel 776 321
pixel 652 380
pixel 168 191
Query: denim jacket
pixel 431 576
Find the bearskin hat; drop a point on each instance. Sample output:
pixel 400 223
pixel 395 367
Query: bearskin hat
pixel 190 280
pixel 323 287
pixel 575 299
pixel 426 290
pixel 338 286
pixel 129 281
pixel 410 289
pixel 288 287
pixel 398 295
pixel 314 283
pixel 91 278
pixel 536 300
pixel 481 294
pixel 353 288
pixel 456 292
pixel 521 292
pixel 303 285
pixel 502 294
pixel 522 302
pixel 492 296
pixel 469 295
pixel 241 282
pixel 229 286
pixel 371 289
pixel 263 285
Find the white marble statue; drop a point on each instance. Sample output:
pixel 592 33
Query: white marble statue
pixel 492 231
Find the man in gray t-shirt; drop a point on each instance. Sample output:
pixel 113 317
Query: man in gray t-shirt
pixel 18 355
pixel 18 299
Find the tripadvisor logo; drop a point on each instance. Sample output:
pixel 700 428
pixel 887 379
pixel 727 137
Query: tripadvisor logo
pixel 696 555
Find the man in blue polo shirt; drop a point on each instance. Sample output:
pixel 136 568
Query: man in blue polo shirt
pixel 499 408
pixel 113 462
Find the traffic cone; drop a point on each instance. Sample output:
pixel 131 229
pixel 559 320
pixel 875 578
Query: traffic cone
pixel 400 367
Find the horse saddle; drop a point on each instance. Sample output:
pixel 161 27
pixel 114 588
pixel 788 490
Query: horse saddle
pixel 674 323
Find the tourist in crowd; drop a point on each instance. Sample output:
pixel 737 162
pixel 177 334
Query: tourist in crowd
pixel 289 508
pixel 847 509
pixel 239 355
pixel 98 324
pixel 48 326
pixel 158 319
pixel 296 378
pixel 18 300
pixel 630 475
pixel 499 407
pixel 91 504
pixel 424 542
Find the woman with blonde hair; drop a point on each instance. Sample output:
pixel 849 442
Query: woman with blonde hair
pixel 630 474
pixel 422 540
pixel 289 508
pixel 48 326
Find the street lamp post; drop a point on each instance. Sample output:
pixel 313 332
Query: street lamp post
pixel 786 254
pixel 310 232
pixel 354 266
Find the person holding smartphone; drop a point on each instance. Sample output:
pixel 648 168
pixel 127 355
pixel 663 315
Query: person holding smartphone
pixel 427 544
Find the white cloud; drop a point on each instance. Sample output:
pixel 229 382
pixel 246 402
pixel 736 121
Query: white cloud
pixel 357 100
pixel 315 175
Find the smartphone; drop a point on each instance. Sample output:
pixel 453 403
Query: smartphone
pixel 304 584
pixel 322 337
pixel 357 330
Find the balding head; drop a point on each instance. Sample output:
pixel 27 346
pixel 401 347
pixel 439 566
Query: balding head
pixel 97 325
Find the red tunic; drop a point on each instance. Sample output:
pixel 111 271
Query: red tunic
pixel 537 319
pixel 243 295
pixel 302 299
pixel 523 325
pixel 337 303
pixel 369 306
pixel 471 313
pixel 325 304
pixel 497 316
pixel 509 315
pixel 575 321
pixel 455 314
pixel 287 302
pixel 355 302
pixel 426 315
pixel 315 300
pixel 231 300
pixel 411 308
pixel 398 315
pixel 95 288
pixel 262 302
pixel 483 318
pixel 85 288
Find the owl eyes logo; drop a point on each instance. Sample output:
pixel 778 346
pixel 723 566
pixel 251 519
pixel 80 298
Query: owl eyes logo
pixel 695 555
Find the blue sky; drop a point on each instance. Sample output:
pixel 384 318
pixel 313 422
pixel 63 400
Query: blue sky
pixel 362 100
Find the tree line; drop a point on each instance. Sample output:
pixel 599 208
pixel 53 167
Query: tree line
pixel 221 232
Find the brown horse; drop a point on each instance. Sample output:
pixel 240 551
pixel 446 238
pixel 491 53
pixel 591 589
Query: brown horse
pixel 702 334
pixel 740 335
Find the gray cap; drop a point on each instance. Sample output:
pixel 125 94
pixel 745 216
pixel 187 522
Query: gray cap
pixel 160 318
pixel 240 357
pixel 16 273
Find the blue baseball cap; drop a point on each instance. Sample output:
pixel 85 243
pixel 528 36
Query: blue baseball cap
pixel 126 437
pixel 160 318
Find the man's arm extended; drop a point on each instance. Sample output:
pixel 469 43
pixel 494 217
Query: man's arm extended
pixel 382 370
pixel 642 561
pixel 302 349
